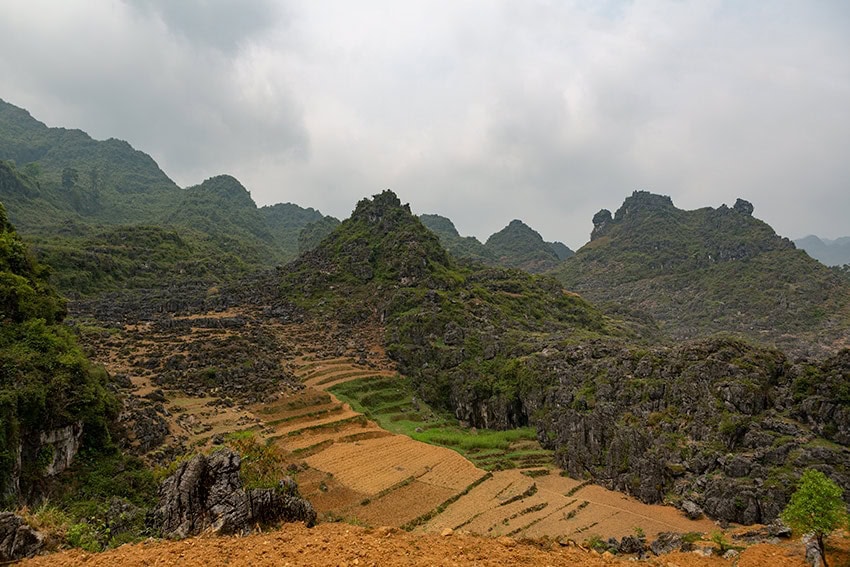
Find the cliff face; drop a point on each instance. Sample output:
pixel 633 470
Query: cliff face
pixel 717 422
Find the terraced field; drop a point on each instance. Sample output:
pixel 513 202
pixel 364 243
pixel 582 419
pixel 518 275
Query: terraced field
pixel 364 448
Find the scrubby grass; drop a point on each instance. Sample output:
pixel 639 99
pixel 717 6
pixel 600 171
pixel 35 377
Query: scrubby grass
pixel 392 404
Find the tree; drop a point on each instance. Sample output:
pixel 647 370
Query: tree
pixel 816 507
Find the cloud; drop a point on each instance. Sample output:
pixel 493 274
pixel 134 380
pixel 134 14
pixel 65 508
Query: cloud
pixel 483 111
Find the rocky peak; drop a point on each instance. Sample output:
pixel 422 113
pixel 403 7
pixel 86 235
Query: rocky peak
pixel 644 201
pixel 601 221
pixel 440 225
pixel 520 246
pixel 384 210
pixel 743 207
pixel 227 188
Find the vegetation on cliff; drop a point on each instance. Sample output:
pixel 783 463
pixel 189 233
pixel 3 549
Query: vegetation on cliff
pixel 46 383
pixel 709 270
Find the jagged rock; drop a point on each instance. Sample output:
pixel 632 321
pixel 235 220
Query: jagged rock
pixel 779 529
pixel 665 542
pixel 17 538
pixel 600 221
pixel 692 510
pixel 206 492
pixel 631 544
pixel 123 516
pixel 813 556
pixel 743 207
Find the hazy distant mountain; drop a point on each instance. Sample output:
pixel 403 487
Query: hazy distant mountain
pixel 515 246
pixel 708 270
pixel 830 252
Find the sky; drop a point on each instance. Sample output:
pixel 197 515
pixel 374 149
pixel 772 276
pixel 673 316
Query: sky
pixel 479 110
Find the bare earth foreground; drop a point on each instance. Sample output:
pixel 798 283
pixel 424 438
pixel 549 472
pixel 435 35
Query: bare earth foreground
pixel 346 545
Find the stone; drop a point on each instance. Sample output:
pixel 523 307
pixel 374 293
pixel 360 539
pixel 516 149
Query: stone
pixel 17 538
pixel 813 556
pixel 692 510
pixel 631 544
pixel 447 532
pixel 206 492
pixel 666 542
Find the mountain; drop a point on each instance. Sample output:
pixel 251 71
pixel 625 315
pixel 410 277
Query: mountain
pixel 91 208
pixel 708 271
pixel 718 425
pixel 457 331
pixel 830 252
pixel 463 247
pixel 515 246
pixel 519 246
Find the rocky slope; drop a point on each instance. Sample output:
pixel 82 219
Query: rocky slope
pixel 717 423
pixel 456 331
pixel 52 400
pixel 710 270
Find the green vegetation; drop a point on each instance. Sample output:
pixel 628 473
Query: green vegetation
pixel 391 403
pixel 93 208
pixel 519 246
pixel 816 507
pixel 46 383
pixel 706 271
pixel 515 246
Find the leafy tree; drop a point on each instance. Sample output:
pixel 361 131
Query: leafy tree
pixel 816 507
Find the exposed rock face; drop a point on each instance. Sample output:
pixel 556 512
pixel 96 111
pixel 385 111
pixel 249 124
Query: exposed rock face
pixel 706 423
pixel 17 539
pixel 206 492
pixel 600 221
pixel 743 207
pixel 64 443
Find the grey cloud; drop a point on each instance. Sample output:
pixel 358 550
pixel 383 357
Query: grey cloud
pixel 483 111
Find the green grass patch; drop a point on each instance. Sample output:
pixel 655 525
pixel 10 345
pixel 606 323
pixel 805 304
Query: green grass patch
pixel 391 402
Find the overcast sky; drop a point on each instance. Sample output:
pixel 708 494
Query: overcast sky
pixel 482 111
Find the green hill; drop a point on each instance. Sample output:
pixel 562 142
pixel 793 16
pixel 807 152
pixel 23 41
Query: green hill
pixel 52 400
pixel 461 247
pixel 515 246
pixel 710 270
pixel 92 209
pixel 519 246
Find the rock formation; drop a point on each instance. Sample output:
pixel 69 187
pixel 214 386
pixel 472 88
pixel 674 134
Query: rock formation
pixel 206 492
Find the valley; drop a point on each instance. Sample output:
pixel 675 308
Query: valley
pixel 346 464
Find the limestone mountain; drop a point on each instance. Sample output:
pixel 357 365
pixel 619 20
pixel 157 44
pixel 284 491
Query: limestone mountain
pixel 457 331
pixel 91 206
pixel 515 246
pixel 520 246
pixel 463 247
pixel 830 252
pixel 707 271
pixel 718 425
